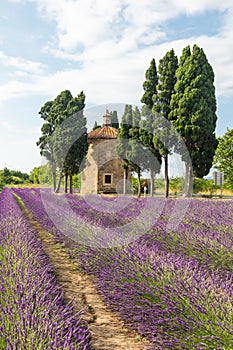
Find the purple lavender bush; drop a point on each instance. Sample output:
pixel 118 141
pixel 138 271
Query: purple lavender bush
pixel 32 310
pixel 172 286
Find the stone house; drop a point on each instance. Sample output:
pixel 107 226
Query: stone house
pixel 103 172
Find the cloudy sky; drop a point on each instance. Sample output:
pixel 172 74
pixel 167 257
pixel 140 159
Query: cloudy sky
pixel 103 48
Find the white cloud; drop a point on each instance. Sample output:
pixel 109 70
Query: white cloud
pixel 104 38
pixel 22 64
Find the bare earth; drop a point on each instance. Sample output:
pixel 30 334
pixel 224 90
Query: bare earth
pixel 108 331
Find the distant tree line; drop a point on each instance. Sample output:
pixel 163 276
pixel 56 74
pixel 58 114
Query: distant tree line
pixel 15 177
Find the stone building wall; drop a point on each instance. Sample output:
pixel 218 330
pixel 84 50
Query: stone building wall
pixel 103 171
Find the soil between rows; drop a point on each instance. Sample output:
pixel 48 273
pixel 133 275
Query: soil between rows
pixel 107 330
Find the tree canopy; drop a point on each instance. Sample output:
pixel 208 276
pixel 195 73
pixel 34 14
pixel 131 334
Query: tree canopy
pixel 163 137
pixel 64 134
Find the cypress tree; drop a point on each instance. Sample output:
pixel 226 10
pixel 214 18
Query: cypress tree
pixel 123 140
pixel 147 131
pixel 150 85
pixel 114 119
pixel 165 88
pixel 193 111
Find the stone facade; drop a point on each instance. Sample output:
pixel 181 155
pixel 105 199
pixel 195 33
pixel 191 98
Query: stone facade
pixel 103 172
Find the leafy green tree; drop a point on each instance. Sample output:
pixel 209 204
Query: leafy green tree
pixel 58 133
pixel 34 176
pixel 6 176
pixel 45 142
pixel 176 184
pixel 223 158
pixel 162 99
pixel 193 112
pixel 41 175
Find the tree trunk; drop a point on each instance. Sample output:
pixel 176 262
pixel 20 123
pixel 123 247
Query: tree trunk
pixel 166 176
pixel 59 182
pixel 152 185
pixel 53 169
pixel 139 183
pixel 71 183
pixel 66 183
pixel 188 180
pixel 124 183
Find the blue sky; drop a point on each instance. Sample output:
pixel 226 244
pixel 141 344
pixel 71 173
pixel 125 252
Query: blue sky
pixel 103 48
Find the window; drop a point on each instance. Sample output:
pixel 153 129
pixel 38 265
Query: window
pixel 108 154
pixel 107 179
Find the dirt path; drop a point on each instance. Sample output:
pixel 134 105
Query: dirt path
pixel 108 332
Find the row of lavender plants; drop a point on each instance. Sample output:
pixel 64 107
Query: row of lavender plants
pixel 33 314
pixel 172 286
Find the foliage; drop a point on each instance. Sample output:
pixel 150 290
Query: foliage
pixel 96 126
pixel 166 82
pixel 203 185
pixel 193 110
pixel 114 119
pixel 64 135
pixel 150 85
pixel 177 184
pixel 223 159
pixel 75 138
pixel 147 124
pixel 41 175
pixel 123 138
pixel 8 176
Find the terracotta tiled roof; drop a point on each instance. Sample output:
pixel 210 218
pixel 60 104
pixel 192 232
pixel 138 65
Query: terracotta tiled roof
pixel 104 132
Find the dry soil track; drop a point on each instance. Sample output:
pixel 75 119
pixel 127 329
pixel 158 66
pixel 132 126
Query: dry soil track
pixel 107 331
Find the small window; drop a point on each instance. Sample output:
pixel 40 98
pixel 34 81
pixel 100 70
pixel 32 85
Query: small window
pixel 108 154
pixel 107 179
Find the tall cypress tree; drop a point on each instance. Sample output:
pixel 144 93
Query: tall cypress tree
pixel 147 131
pixel 165 88
pixel 135 152
pixel 123 140
pixel 193 111
pixel 114 119
pixel 150 85
pixel 74 160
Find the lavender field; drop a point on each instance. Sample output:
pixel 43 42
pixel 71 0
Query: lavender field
pixel 32 310
pixel 174 287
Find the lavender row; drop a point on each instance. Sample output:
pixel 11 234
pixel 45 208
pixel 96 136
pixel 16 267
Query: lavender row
pixel 175 300
pixel 193 236
pixel 169 299
pixel 32 310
